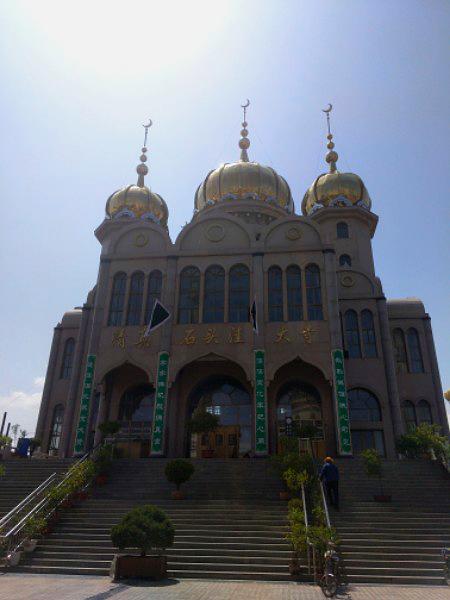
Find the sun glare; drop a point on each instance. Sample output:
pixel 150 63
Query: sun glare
pixel 124 37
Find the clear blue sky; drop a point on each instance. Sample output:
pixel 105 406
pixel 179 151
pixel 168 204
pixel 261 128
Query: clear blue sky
pixel 78 79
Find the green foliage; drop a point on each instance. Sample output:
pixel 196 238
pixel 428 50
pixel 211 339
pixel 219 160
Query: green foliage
pixel 424 440
pixel 34 527
pixel 179 471
pixel 319 536
pixel 292 460
pixel 203 421
pixel 104 460
pixel 109 428
pixel 306 430
pixel 146 527
pixel 372 462
pixel 5 440
pixel 288 444
pixel 295 480
pixel 81 474
pixel 2 470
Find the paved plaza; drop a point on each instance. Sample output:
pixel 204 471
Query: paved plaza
pixel 19 586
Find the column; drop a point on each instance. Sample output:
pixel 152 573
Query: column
pixel 102 413
pixel 42 423
pixel 438 393
pixel 389 367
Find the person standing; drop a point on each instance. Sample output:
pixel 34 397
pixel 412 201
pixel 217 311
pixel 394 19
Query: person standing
pixel 329 476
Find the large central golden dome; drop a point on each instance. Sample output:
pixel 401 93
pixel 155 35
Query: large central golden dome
pixel 244 180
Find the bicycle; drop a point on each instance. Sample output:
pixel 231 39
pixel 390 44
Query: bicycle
pixel 329 581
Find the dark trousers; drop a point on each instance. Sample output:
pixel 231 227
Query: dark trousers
pixel 332 488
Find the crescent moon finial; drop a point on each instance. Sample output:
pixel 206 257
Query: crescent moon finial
pixel 149 124
pixel 327 110
pixel 246 105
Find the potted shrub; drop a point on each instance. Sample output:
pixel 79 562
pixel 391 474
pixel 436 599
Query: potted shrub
pixel 204 422
pixel 291 460
pixel 149 529
pixel 372 465
pixel 178 471
pixel 296 535
pixel 33 529
pixel 109 428
pixel 103 464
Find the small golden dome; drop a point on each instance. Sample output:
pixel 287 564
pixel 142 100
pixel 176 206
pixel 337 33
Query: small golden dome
pixel 137 201
pixel 244 181
pixel 336 189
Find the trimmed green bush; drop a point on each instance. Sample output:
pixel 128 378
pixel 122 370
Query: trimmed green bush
pixel 147 528
pixel 424 440
pixel 179 471
pixel 203 421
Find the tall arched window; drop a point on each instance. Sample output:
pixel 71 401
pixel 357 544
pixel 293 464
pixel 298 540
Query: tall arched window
pixel 214 300
pixel 56 428
pixel 342 230
pixel 424 413
pixel 135 299
pixel 137 405
pixel 238 294
pixel 189 295
pixel 398 342
pixel 67 360
pixel 275 286
pixel 345 259
pixel 352 343
pixel 153 293
pixel 415 353
pixel 364 407
pixel 313 293
pixel 368 334
pixel 409 415
pixel 294 293
pixel 116 305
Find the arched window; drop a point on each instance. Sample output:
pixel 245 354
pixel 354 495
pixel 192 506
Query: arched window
pixel 214 300
pixel 275 285
pixel 415 353
pixel 189 295
pixel 352 343
pixel 342 230
pixel 368 334
pixel 294 293
pixel 345 259
pixel 67 360
pixel 56 428
pixel 135 299
pixel 153 293
pixel 424 413
pixel 409 415
pixel 313 293
pixel 239 294
pixel 116 305
pixel 363 405
pixel 398 341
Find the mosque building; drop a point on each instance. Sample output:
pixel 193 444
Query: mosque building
pixel 277 319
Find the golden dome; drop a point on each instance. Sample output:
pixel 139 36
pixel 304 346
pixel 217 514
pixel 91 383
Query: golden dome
pixel 244 181
pixel 335 188
pixel 137 201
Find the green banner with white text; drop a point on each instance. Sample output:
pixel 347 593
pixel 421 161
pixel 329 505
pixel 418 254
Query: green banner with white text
pixel 83 420
pixel 261 442
pixel 157 448
pixel 341 401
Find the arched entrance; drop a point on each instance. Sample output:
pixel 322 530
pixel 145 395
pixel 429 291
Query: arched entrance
pixel 227 398
pixel 299 414
pixel 135 417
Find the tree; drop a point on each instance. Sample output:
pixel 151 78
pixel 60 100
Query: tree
pixel 14 431
pixel 179 471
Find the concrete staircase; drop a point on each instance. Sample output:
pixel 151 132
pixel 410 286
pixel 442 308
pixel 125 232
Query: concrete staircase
pixel 230 526
pixel 23 476
pixel 397 542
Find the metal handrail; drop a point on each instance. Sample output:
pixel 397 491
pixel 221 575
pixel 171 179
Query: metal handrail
pixel 325 505
pixel 31 496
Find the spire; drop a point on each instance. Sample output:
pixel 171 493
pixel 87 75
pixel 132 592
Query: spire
pixel 244 142
pixel 331 156
pixel 142 168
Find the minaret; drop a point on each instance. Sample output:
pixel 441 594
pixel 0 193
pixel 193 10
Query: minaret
pixel 244 142
pixel 332 156
pixel 142 168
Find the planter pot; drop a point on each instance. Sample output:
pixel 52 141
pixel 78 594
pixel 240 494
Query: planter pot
pixel 29 545
pixel 207 453
pixel 127 566
pixel 382 498
pixel 14 558
pixel 177 495
pixel 101 479
pixel 285 496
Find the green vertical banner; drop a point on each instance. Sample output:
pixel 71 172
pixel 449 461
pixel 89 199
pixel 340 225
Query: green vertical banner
pixel 80 439
pixel 160 405
pixel 341 400
pixel 261 445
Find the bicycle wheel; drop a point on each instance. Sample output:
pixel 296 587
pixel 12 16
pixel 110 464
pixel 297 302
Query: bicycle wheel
pixel 328 584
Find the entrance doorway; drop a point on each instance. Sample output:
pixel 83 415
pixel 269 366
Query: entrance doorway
pixel 230 401
pixel 135 417
pixel 299 411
